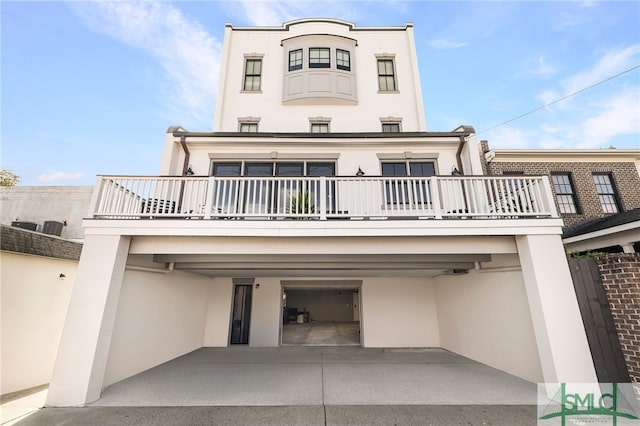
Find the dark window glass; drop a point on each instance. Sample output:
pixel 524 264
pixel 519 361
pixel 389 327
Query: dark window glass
pixel 226 169
pixel 343 60
pixel 565 194
pixel 422 168
pixel 253 70
pixel 390 127
pixel 248 127
pixel 319 57
pixel 295 60
pixel 606 192
pixel 319 127
pixel 289 169
pixel 386 76
pixel 258 169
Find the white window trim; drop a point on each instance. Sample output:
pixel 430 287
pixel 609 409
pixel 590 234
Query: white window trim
pixel 391 120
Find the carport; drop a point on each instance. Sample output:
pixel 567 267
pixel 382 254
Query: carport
pixel 296 376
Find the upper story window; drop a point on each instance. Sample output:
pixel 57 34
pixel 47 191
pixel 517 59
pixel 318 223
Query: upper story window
pixel 248 127
pixel 252 74
pixel 606 192
pixel 319 57
pixel 565 192
pixel 386 75
pixel 343 60
pixel 295 60
pixel 390 127
pixel 319 127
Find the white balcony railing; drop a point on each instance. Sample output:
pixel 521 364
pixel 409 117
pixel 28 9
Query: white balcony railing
pixel 486 197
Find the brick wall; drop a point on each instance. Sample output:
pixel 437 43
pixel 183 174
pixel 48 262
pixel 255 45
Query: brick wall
pixel 624 174
pixel 22 241
pixel 621 279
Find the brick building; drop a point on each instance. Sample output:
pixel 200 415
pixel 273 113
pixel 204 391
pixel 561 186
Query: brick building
pixel 595 190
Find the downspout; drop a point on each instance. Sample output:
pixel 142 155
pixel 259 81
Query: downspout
pixel 461 170
pixel 187 155
pixel 458 158
pixel 185 167
pixel 170 268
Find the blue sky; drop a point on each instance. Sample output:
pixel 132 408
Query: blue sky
pixel 90 87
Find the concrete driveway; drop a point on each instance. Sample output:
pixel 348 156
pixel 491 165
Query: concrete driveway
pixel 316 376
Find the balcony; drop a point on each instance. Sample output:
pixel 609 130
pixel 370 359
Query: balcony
pixel 323 198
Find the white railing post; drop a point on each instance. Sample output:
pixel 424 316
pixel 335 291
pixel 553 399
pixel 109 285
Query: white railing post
pixel 435 197
pixel 549 201
pixel 208 203
pixel 95 196
pixel 323 198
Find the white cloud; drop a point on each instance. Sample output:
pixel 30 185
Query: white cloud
pixel 619 115
pixel 59 176
pixel 446 43
pixel 189 55
pixel 611 63
pixel 540 67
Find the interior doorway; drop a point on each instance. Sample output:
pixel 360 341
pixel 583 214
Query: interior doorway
pixel 321 315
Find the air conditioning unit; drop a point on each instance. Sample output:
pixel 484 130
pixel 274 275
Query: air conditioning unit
pixel 52 227
pixel 25 225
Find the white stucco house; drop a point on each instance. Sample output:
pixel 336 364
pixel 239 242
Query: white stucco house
pixel 320 189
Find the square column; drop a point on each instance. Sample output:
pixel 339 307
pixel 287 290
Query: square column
pixel 557 323
pixel 79 369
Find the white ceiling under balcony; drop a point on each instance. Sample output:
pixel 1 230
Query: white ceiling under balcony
pixel 326 265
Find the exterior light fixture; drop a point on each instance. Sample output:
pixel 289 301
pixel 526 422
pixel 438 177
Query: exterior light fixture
pixel 455 171
pixel 359 172
pixel 189 172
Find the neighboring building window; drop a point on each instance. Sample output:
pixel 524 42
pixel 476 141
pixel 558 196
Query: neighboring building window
pixel 319 127
pixel 512 173
pixel 252 75
pixel 390 127
pixel 386 75
pixel 343 60
pixel 295 60
pixel 248 127
pixel 565 192
pixel 606 192
pixel 319 57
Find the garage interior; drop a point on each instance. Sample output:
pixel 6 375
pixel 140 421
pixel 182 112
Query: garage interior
pixel 324 314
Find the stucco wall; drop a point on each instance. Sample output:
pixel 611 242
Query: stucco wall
pixel 485 316
pixel 399 312
pixel 266 313
pixel 159 317
pixel 43 203
pixel 34 304
pixel 219 304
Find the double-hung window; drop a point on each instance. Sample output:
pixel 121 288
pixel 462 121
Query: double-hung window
pixel 390 127
pixel 319 57
pixel 295 60
pixel 606 192
pixel 248 127
pixel 565 193
pixel 319 127
pixel 386 75
pixel 343 60
pixel 252 75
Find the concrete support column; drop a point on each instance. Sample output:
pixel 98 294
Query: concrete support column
pixel 562 342
pixel 82 356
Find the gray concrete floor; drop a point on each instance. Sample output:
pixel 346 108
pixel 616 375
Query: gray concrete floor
pixel 310 376
pixel 308 386
pixel 321 334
